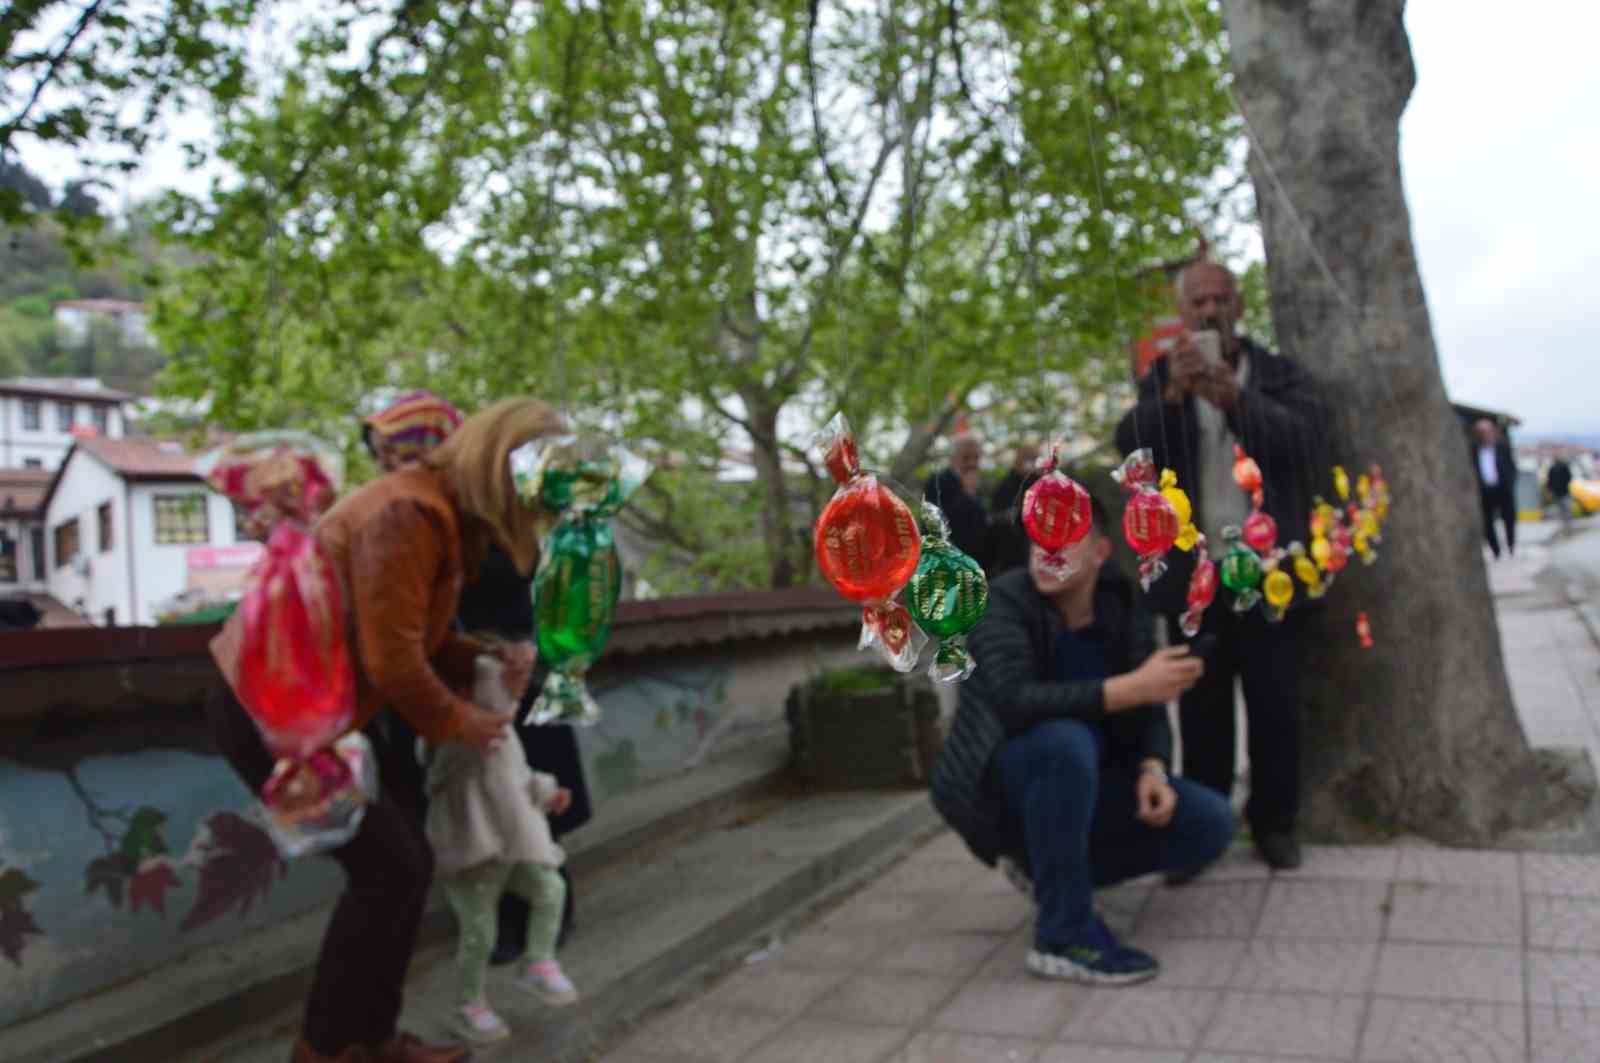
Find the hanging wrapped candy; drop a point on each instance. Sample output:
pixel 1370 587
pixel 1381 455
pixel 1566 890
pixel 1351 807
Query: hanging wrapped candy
pixel 1056 513
pixel 947 596
pixel 1362 526
pixel 868 547
pixel 1364 631
pixel 1261 532
pixel 1341 483
pixel 1241 571
pixel 583 482
pixel 1247 474
pixel 1277 587
pixel 1149 523
pixel 1342 544
pixel 1188 534
pixel 1307 570
pixel 294 673
pixel 1202 591
pixel 1380 494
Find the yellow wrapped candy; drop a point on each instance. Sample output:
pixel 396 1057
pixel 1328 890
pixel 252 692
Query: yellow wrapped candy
pixel 1278 590
pixel 1307 570
pixel 1341 483
pixel 1188 534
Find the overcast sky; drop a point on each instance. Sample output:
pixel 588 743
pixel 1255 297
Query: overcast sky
pixel 1502 170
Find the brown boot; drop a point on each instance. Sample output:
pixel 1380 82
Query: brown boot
pixel 304 1053
pixel 408 1048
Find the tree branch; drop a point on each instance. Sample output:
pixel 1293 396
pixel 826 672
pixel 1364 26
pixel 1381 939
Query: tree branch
pixel 85 20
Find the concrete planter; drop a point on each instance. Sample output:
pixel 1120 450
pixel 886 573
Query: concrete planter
pixel 863 728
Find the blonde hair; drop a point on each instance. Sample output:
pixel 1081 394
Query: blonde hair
pixel 476 463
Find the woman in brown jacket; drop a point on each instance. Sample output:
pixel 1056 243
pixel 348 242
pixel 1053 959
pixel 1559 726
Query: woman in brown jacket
pixel 402 546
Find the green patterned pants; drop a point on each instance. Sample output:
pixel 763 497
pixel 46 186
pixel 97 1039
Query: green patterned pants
pixel 474 895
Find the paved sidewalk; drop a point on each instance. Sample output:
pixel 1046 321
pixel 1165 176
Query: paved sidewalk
pixel 1373 954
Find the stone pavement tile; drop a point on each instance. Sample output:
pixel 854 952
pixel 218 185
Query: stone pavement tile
pixel 1362 863
pixel 827 949
pixel 1122 906
pixel 1033 1010
pixel 1455 867
pixel 1412 1031
pixel 1006 963
pixel 1564 979
pixel 1098 1054
pixel 930 876
pixel 1193 963
pixel 946 955
pixel 1211 1057
pixel 819 1041
pixel 1331 911
pixel 1455 915
pixel 946 845
pixel 1564 1035
pixel 1564 923
pixel 1222 909
pixel 1288 965
pixel 1561 875
pixel 1238 864
pixel 991 880
pixel 1146 1016
pixel 887 999
pixel 874 911
pixel 1451 972
pixel 977 913
pixel 965 1048
pixel 1287 1024
pixel 710 1035
pixel 774 989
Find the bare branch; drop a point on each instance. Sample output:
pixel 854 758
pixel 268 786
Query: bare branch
pixel 85 20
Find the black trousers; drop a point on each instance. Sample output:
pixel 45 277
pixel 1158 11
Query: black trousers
pixel 359 986
pixel 1498 502
pixel 1266 657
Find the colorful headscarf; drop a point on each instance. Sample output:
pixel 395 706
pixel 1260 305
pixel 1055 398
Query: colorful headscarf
pixel 415 424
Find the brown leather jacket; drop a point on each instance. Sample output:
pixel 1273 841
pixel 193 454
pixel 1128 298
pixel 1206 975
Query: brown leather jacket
pixel 397 547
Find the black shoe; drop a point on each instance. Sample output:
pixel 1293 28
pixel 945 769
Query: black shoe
pixel 1280 851
pixel 505 952
pixel 1184 876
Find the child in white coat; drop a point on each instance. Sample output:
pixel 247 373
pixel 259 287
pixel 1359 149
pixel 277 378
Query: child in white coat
pixel 486 823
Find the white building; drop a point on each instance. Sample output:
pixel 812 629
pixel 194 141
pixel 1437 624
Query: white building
pixel 22 549
pixel 75 320
pixel 125 522
pixel 40 417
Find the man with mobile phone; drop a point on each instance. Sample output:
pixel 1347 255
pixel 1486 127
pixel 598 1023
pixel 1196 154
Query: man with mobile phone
pixel 1057 763
pixel 1213 389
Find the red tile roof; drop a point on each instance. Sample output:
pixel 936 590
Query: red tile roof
pixel 141 459
pixel 22 491
pixel 45 389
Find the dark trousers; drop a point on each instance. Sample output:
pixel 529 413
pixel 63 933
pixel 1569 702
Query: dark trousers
pixel 357 991
pixel 1266 657
pixel 1079 818
pixel 1498 502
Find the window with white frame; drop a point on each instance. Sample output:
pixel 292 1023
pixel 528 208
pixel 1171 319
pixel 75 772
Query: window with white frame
pixel 32 415
pixel 66 536
pixel 181 520
pixel 66 414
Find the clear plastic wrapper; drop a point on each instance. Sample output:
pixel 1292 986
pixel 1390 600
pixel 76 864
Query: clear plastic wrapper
pixel 1149 523
pixel 947 596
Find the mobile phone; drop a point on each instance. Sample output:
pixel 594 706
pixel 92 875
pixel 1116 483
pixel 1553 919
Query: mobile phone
pixel 1209 343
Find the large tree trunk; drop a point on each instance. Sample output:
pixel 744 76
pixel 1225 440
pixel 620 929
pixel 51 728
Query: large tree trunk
pixel 1418 734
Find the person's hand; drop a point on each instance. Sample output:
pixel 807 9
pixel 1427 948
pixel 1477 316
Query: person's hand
pixel 1219 386
pixel 1157 799
pixel 481 729
pixel 561 801
pixel 1186 363
pixel 519 658
pixel 1168 673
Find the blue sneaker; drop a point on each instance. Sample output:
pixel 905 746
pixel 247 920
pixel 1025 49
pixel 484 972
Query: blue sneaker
pixel 1096 957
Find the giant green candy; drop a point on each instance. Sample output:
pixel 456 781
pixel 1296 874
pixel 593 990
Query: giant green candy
pixel 1241 571
pixel 575 600
pixel 947 596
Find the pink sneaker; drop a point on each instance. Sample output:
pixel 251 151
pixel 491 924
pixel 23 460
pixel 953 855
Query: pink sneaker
pixel 547 981
pixel 478 1023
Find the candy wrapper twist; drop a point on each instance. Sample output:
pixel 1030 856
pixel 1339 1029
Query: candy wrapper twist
pixel 1056 513
pixel 868 547
pixel 584 481
pixel 1202 590
pixel 1188 534
pixel 294 674
pixel 947 596
pixel 1149 523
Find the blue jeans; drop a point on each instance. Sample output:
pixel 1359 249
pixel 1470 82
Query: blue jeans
pixel 1079 819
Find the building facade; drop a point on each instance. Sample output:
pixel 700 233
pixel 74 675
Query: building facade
pixel 40 417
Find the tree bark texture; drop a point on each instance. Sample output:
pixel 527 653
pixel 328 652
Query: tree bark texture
pixel 1418 734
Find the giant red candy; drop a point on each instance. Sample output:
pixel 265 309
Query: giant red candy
pixel 1056 511
pixel 1149 523
pixel 1261 532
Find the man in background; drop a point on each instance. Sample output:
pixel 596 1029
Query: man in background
pixel 1497 477
pixel 955 491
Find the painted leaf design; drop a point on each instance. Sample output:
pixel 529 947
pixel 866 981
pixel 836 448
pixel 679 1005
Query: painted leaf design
pixel 150 885
pixel 15 925
pixel 14 885
pixel 111 873
pixel 143 839
pixel 238 868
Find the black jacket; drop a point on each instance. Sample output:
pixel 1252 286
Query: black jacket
pixel 969 523
pixel 1559 479
pixel 1281 422
pixel 1505 463
pixel 1011 692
